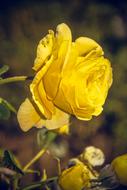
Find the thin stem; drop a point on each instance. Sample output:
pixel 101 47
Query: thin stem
pixel 50 137
pixel 14 183
pixel 39 154
pixel 39 184
pixel 13 79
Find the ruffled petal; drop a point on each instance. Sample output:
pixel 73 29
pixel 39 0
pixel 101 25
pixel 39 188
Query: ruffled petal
pixel 39 95
pixel 28 116
pixel 85 45
pixel 60 54
pixel 44 50
pixel 59 119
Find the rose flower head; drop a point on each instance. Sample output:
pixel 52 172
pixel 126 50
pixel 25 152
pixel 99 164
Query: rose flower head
pixel 77 177
pixel 70 78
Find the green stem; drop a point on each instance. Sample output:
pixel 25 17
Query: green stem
pixel 50 138
pixel 13 79
pixel 39 154
pixel 33 186
pixel 39 184
pixel 14 183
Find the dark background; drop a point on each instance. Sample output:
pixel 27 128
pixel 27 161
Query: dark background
pixel 22 24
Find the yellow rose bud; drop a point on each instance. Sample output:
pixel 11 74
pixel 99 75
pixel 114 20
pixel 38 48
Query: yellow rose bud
pixel 71 76
pixel 119 165
pixel 76 177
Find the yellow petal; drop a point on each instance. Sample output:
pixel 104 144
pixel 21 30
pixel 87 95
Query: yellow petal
pixel 60 54
pixel 39 95
pixel 28 116
pixel 85 45
pixel 61 99
pixel 59 119
pixel 75 177
pixel 44 50
pixel 42 89
pixel 64 130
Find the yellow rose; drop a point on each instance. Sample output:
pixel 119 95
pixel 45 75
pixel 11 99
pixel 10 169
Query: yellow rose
pixel 76 177
pixel 71 76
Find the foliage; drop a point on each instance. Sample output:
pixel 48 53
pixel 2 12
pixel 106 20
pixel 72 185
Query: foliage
pixel 5 106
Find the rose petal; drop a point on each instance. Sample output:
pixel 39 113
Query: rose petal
pixel 59 119
pixel 28 116
pixel 85 45
pixel 44 50
pixel 45 106
pixel 60 54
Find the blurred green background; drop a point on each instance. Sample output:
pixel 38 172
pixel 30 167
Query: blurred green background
pixel 22 24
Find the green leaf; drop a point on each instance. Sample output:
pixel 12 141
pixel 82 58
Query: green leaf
pixel 10 107
pixel 1 153
pixel 5 108
pixel 1 156
pixel 11 162
pixel 4 69
pixel 4 111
